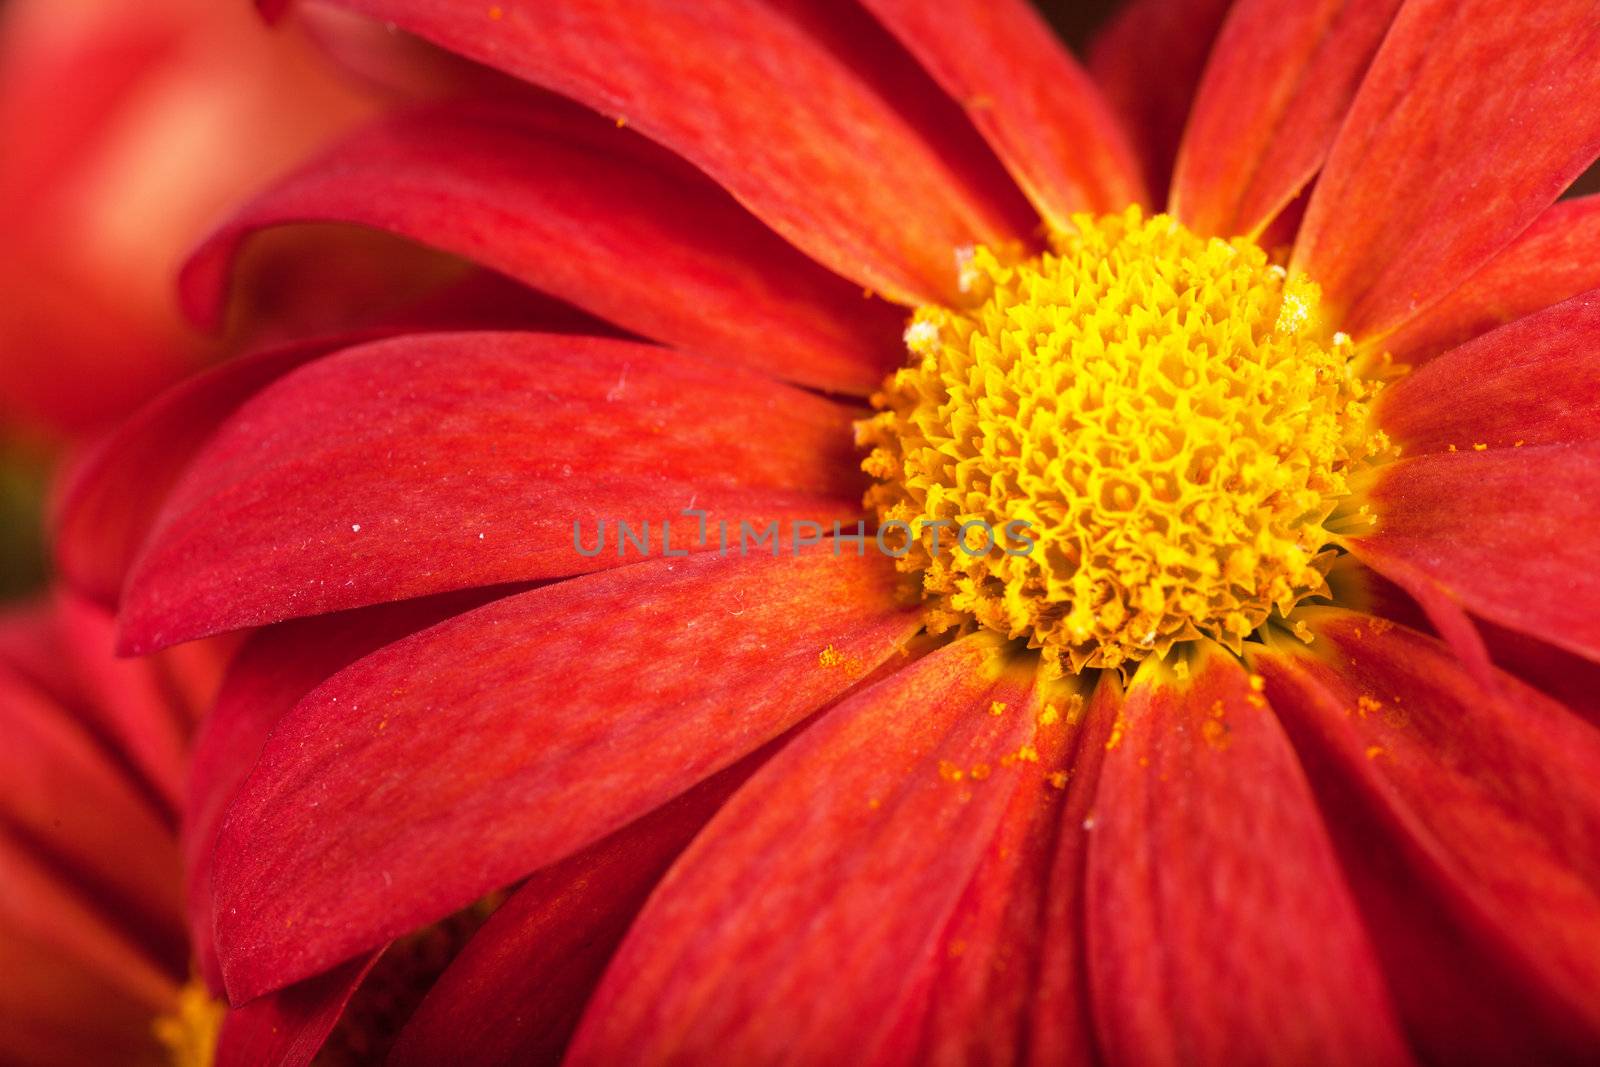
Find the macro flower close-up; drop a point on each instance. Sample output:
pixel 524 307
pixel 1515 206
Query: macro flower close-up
pixel 825 532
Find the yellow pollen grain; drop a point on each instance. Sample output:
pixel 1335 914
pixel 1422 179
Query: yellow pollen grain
pixel 1058 779
pixel 1116 736
pixel 189 1034
pixel 1049 716
pixel 831 658
pixel 997 708
pixel 1166 416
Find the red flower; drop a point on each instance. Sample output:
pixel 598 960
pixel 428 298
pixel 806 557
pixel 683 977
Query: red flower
pixel 1280 748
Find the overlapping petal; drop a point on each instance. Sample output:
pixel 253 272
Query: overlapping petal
pixel 566 202
pixel 1507 532
pixel 1062 1023
pixel 288 1028
pixel 1555 259
pixel 77 989
pixel 1217 917
pixel 111 498
pixel 1468 823
pixel 1148 61
pixel 61 790
pixel 1029 98
pixel 455 761
pixel 1008 983
pixel 447 461
pixel 1533 382
pixel 1439 165
pixel 864 831
pixel 809 114
pixel 1272 99
pixel 268 677
pixel 516 992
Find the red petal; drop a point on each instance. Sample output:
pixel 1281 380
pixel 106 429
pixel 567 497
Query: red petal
pixel 130 702
pixel 1148 61
pixel 1555 259
pixel 60 790
pixel 562 200
pixel 514 994
pixel 804 917
pixel 1471 828
pixel 1534 382
pixel 809 114
pixel 288 1028
pixel 77 990
pixel 111 499
pixel 1508 533
pixel 453 762
pixel 1007 982
pixel 270 675
pixel 1025 93
pixel 1062 1030
pixel 1218 917
pixel 1572 680
pixel 1272 99
pixel 112 496
pixel 448 461
pixel 1475 116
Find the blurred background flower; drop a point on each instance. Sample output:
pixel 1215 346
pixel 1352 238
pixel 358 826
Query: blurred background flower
pixel 128 129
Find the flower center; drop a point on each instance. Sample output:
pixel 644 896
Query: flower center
pixel 1141 438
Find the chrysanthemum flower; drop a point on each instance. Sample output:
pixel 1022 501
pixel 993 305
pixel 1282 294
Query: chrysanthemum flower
pixel 1278 746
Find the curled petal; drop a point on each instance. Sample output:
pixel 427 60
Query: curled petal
pixel 562 200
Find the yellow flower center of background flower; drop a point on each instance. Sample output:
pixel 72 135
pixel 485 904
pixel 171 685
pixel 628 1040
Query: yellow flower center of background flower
pixel 1168 414
pixel 189 1035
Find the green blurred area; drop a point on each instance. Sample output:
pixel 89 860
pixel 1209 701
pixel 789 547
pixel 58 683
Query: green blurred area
pixel 24 470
